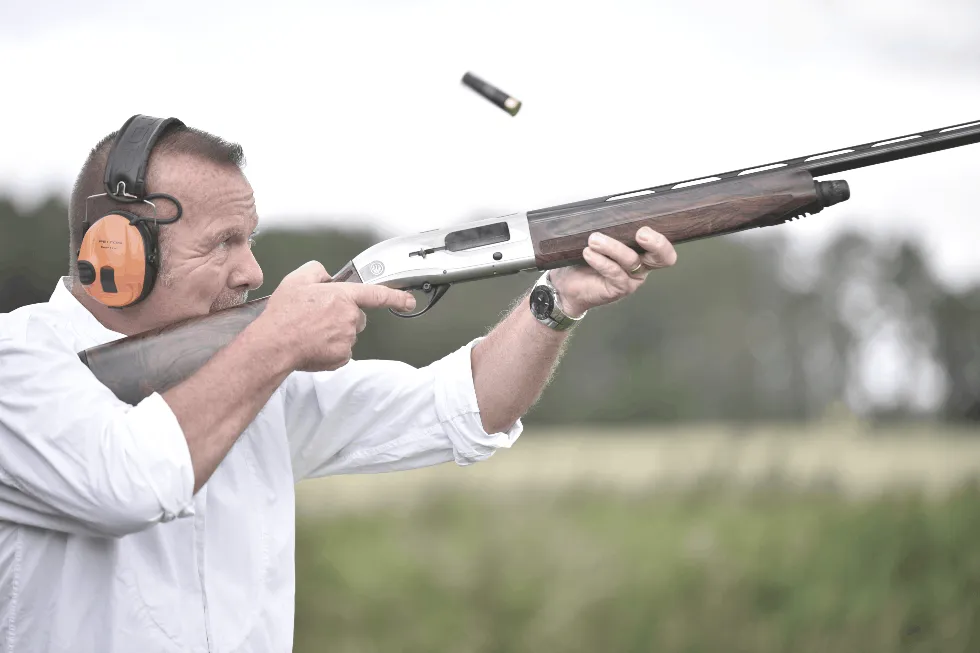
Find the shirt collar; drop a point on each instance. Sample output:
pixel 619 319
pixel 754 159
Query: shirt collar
pixel 79 318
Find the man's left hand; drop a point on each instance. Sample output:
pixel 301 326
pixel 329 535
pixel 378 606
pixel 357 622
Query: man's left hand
pixel 612 271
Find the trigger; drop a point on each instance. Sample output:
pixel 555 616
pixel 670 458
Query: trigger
pixel 435 294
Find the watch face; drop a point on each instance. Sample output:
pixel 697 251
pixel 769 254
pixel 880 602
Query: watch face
pixel 542 302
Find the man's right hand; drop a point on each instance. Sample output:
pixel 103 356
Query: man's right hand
pixel 307 325
pixel 316 322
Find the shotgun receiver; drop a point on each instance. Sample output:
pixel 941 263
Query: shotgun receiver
pixel 432 261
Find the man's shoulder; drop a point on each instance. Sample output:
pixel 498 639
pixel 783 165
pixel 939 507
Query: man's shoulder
pixel 14 325
pixel 34 323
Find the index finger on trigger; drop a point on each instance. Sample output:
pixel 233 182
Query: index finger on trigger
pixel 367 296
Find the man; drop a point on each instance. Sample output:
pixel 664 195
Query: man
pixel 169 525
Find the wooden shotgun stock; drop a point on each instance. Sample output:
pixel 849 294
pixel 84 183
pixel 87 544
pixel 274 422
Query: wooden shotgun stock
pixel 157 360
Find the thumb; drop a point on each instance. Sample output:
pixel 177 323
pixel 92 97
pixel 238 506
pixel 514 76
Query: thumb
pixel 312 272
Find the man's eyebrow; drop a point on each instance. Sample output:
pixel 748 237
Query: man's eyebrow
pixel 225 232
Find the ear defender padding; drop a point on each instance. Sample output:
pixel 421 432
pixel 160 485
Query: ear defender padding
pixel 116 262
pixel 86 273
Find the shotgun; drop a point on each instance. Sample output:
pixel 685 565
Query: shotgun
pixel 432 261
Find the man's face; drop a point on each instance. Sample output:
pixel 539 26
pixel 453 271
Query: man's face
pixel 207 256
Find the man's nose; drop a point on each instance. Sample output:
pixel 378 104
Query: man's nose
pixel 247 273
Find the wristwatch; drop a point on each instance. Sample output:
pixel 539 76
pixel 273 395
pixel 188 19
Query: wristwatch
pixel 546 306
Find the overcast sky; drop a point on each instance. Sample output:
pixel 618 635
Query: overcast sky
pixel 354 111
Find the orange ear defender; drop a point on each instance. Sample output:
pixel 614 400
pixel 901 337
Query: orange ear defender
pixel 119 254
pixel 117 261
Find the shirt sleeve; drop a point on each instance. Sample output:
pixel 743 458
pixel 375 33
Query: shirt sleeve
pixel 380 416
pixel 75 458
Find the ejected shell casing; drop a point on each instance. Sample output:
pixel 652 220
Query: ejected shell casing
pixel 489 91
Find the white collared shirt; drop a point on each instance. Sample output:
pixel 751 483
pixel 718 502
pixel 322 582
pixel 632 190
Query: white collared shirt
pixel 104 548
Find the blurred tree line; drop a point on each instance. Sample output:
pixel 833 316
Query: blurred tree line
pixel 727 334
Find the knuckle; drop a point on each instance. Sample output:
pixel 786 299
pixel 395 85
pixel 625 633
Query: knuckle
pixel 341 298
pixel 667 257
pixel 339 352
pixel 365 295
pixel 383 295
pixel 348 328
pixel 314 266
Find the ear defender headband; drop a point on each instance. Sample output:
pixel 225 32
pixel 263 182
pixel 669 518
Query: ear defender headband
pixel 119 254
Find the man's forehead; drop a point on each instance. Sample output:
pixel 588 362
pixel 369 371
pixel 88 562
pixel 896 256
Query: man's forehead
pixel 216 196
pixel 198 180
pixel 226 222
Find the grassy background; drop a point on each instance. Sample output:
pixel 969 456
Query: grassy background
pixel 516 561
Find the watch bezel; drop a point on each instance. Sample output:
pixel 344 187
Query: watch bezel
pixel 557 319
pixel 542 302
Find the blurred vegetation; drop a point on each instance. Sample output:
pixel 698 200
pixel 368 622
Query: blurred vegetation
pixel 725 335
pixel 706 570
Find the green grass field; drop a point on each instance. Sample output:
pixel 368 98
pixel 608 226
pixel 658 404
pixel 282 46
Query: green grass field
pixel 759 563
